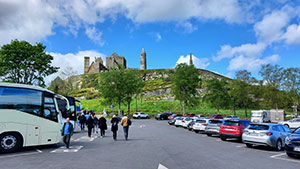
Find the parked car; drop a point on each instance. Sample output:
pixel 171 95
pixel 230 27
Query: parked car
pixel 200 125
pixel 216 116
pixel 191 123
pixel 172 121
pixel 173 116
pixel 231 117
pixel 293 124
pixel 213 127
pixel 190 114
pixel 233 129
pixel 163 116
pixel 292 143
pixel 178 121
pixel 186 121
pixel 200 115
pixel 140 115
pixel 267 134
pixel 157 117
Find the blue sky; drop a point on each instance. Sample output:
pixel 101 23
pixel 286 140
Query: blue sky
pixel 223 36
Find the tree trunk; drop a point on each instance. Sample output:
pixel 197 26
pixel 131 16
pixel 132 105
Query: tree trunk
pixel 183 108
pixel 136 107
pixel 119 108
pixel 218 109
pixel 246 111
pixel 128 106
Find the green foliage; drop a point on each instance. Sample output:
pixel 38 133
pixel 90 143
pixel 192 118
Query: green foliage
pixel 185 82
pixel 119 85
pixel 217 94
pixel 21 62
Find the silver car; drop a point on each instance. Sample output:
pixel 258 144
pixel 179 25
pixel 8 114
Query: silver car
pixel 267 134
pixel 213 127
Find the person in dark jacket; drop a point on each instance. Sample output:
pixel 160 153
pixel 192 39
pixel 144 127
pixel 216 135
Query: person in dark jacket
pixel 67 132
pixel 102 125
pixel 90 125
pixel 82 121
pixel 95 124
pixel 114 126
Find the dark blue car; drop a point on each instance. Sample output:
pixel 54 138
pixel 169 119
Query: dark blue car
pixel 292 143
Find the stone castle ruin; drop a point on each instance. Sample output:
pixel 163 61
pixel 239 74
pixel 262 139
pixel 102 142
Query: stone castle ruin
pixel 112 61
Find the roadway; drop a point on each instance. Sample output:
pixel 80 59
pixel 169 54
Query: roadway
pixel 151 145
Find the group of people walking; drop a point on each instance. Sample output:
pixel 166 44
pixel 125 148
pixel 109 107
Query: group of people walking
pixel 93 123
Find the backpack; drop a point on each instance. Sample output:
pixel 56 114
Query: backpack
pixel 129 122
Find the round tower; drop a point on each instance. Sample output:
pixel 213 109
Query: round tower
pixel 143 65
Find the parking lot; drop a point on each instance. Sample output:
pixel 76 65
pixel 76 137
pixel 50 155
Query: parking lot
pixel 152 144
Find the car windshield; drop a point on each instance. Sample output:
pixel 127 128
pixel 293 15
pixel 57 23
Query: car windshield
pixel 173 115
pixel 231 123
pixel 200 121
pixel 213 115
pixel 258 127
pixel 179 118
pixel 215 122
pixel 297 131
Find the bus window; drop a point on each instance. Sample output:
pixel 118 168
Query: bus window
pixel 25 100
pixel 49 109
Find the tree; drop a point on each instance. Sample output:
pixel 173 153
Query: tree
pixel 185 82
pixel 272 79
pixel 21 62
pixel 240 89
pixel 119 86
pixel 291 83
pixel 217 93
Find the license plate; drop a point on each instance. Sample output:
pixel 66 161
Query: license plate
pixel 296 148
pixel 254 134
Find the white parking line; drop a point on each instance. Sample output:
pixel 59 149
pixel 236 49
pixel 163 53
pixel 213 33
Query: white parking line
pixel 283 156
pixel 161 167
pixel 22 154
pixel 62 149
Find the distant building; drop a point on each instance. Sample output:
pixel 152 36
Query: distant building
pixel 115 60
pixel 96 66
pixel 143 64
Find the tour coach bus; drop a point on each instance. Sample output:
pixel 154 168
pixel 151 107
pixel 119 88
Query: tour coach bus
pixel 29 116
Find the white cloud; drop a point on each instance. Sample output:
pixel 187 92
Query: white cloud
pixel 34 20
pixel 251 63
pixel 76 61
pixel 292 35
pixel 94 35
pixel 270 29
pixel 201 63
pixel 250 50
pixel 158 37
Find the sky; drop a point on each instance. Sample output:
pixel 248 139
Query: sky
pixel 224 36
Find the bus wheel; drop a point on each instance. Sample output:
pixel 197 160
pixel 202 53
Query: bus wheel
pixel 10 142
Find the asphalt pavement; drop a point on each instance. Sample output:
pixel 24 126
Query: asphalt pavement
pixel 152 145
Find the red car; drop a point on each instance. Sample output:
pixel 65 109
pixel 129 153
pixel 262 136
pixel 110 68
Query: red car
pixel 216 116
pixel 233 129
pixel 190 114
pixel 173 116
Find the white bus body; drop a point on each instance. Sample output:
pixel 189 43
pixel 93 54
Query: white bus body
pixel 29 117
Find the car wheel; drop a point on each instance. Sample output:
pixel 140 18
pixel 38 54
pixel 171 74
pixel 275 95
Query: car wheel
pixel 139 117
pixel 278 145
pixel 177 126
pixel 290 154
pixel 249 145
pixel 10 142
pixel 196 131
pixel 208 134
pixel 223 138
